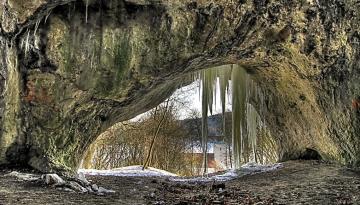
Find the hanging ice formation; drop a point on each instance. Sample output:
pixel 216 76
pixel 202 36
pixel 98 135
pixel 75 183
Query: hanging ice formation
pixel 86 11
pixel 245 118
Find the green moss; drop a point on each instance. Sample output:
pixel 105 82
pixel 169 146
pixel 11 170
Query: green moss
pixel 122 57
pixel 115 63
pixel 67 52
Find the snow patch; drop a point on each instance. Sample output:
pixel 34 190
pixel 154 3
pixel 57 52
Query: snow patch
pixel 24 176
pixel 252 167
pixel 136 171
pixel 246 169
pixel 130 171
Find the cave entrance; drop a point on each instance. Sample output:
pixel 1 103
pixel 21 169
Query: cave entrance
pixel 171 136
pixel 310 154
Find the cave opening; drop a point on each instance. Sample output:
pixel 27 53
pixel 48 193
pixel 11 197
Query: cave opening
pixel 310 154
pixel 72 69
pixel 203 109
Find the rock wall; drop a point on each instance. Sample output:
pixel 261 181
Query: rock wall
pixel 75 69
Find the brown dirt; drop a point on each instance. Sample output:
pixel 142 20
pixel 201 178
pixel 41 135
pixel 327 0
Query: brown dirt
pixel 299 182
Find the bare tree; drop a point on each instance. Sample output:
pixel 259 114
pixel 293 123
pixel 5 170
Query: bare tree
pixel 158 127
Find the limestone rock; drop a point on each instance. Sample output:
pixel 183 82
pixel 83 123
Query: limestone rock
pixel 53 179
pixel 81 177
pixel 95 188
pixel 77 187
pixel 67 77
pixel 105 191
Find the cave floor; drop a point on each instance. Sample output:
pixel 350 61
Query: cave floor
pixel 298 182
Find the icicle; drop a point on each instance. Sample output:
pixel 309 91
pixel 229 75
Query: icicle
pixel 37 42
pixel 245 118
pixel 27 45
pixel 36 26
pixel 47 15
pixel 238 79
pixel 252 124
pixel 204 124
pixel 86 11
pixel 69 11
pixel 22 44
pixel 224 75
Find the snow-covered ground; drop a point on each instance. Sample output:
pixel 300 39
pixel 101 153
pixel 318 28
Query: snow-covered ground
pixel 252 167
pixel 136 171
pixel 246 169
pixel 130 171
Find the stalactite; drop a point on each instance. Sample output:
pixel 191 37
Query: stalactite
pixel 27 44
pixel 224 74
pixel 238 82
pixel 47 15
pixel 245 118
pixel 37 26
pixel 86 11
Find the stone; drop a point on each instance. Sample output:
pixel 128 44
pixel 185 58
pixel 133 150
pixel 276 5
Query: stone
pixel 53 179
pixel 95 188
pixel 77 187
pixel 81 177
pixel 105 191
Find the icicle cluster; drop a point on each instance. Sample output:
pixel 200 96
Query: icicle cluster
pixel 245 118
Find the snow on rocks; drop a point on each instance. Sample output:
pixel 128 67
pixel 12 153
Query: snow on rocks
pixel 81 177
pixel 130 171
pixel 53 179
pixel 79 184
pixel 252 167
pixel 24 176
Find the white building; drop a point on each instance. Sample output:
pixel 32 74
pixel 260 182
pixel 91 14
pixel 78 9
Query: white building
pixel 222 155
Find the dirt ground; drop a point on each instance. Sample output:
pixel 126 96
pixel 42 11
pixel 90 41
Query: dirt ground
pixel 298 182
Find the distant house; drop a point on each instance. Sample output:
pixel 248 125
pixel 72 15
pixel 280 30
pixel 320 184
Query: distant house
pixel 198 168
pixel 222 156
pixel 219 156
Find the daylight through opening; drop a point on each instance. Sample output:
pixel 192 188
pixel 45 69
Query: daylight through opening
pixel 211 124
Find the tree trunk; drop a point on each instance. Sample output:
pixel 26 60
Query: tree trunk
pixel 160 123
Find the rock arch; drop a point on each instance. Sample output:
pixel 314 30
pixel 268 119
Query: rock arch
pixel 70 70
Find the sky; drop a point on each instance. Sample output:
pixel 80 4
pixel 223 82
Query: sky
pixel 191 94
